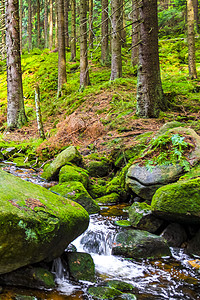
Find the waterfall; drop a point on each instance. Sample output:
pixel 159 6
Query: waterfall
pixel 58 268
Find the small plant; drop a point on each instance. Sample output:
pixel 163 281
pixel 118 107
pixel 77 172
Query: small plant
pixel 168 149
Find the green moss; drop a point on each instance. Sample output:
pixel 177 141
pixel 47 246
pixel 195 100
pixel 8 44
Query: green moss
pixel 97 187
pixel 75 191
pixel 73 173
pixel 98 168
pixel 45 277
pixel 123 223
pixel 108 199
pixel 101 292
pixel 120 285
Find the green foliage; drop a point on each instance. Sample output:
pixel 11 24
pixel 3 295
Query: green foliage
pixel 167 149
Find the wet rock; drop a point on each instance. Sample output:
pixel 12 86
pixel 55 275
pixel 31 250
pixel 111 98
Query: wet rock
pixel 70 154
pixel 109 199
pixel 120 285
pixel 8 152
pixel 178 202
pixel 80 266
pixel 140 244
pixel 98 168
pixel 103 292
pixel 35 223
pixel 123 223
pixel 127 297
pixel 73 173
pixel 193 246
pixel 141 217
pixel 71 248
pixel 75 191
pixel 144 182
pixel 25 297
pixel 174 234
pixel 30 277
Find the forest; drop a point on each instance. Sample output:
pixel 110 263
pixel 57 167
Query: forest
pixel 99 149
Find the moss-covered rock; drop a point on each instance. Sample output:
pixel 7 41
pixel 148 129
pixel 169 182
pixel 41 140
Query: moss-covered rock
pixel 127 297
pixel 120 285
pixel 70 154
pixel 109 199
pixel 141 217
pixel 73 173
pixel 103 292
pixel 178 202
pixel 35 223
pixel 139 244
pixel 21 162
pixel 97 187
pixel 75 191
pixel 98 168
pixel 29 277
pixel 81 266
pixel 167 126
pixel 123 223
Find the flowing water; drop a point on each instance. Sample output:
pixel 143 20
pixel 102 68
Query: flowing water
pixel 168 278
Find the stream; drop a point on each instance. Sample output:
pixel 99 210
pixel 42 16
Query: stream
pixel 168 278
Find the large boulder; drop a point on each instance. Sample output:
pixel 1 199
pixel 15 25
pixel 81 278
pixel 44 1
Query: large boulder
pixel 70 154
pixel 36 224
pixel 140 244
pixel 144 179
pixel 178 202
pixel 73 173
pixel 75 191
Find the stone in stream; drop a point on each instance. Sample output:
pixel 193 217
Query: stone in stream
pixel 103 292
pixel 140 244
pixel 73 173
pixel 141 217
pixel 29 277
pixel 174 234
pixel 178 202
pixel 75 191
pixel 80 266
pixel 36 224
pixel 120 285
pixel 193 246
pixel 70 154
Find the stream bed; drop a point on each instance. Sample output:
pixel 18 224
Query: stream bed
pixel 168 278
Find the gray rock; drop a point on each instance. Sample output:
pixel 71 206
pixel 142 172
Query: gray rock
pixel 193 246
pixel 174 234
pixel 140 244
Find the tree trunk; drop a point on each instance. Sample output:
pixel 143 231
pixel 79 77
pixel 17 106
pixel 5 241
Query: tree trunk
pixel 20 25
pixel 91 34
pixel 73 30
pixel 104 32
pixel 191 40
pixel 149 89
pixel 15 108
pixel 38 23
pixel 196 14
pixel 38 112
pixel 116 60
pixel 51 24
pixel 45 23
pixel 56 23
pixel 66 11
pixel 29 25
pixel 135 33
pixel 84 72
pixel 122 21
pixel 61 47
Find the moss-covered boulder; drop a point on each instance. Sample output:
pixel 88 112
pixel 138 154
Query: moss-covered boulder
pixel 75 191
pixel 141 217
pixel 35 223
pixel 73 173
pixel 112 198
pixel 70 154
pixel 29 277
pixel 144 181
pixel 97 187
pixel 120 285
pixel 80 266
pixel 140 244
pixel 103 292
pixel 98 168
pixel 178 202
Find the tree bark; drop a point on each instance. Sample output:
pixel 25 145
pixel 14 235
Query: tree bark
pixel 91 34
pixel 104 32
pixel 191 40
pixel 116 60
pixel 56 23
pixel 15 103
pixel 45 23
pixel 38 112
pixel 73 30
pixel 29 25
pixel 149 89
pixel 62 78
pixel 66 22
pixel 135 33
pixel 38 23
pixel 51 24
pixel 196 14
pixel 84 71
pixel 20 24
